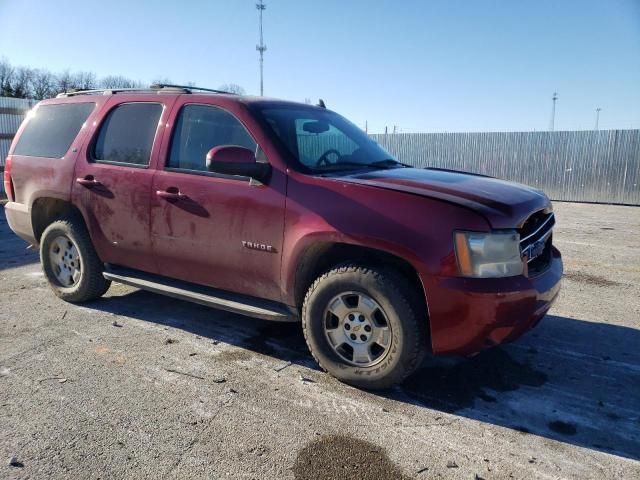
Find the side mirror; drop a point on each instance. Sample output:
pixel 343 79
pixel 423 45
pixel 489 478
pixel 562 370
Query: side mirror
pixel 234 160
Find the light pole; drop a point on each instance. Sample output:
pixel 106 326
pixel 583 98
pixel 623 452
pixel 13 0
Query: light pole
pixel 553 111
pixel 261 47
pixel 597 117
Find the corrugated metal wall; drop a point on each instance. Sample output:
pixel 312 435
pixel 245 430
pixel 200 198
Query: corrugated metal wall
pixel 12 112
pixel 584 166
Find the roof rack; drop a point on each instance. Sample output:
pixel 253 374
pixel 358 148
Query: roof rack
pixel 189 88
pixel 155 88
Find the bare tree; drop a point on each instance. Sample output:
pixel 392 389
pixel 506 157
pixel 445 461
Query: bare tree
pixel 43 84
pixel 232 88
pixel 118 81
pixel 161 81
pixel 65 82
pixel 6 78
pixel 22 82
pixel 85 80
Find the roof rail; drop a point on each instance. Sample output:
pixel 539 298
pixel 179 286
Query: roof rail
pixel 101 91
pixel 189 88
pixel 155 88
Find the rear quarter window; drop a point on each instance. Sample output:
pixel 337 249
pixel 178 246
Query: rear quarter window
pixel 51 129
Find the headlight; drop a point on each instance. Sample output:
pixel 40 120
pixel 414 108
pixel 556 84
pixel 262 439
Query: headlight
pixel 489 255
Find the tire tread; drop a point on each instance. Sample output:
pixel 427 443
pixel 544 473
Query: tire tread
pixel 388 280
pixel 95 285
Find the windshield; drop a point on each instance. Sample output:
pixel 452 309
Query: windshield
pixel 321 141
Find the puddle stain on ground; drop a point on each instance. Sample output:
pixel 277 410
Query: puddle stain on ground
pixel 595 280
pixel 341 456
pixel 455 387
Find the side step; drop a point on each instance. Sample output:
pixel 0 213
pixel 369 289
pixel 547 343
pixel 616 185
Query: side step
pixel 210 297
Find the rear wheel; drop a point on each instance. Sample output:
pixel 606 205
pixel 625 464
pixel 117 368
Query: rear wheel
pixel 364 326
pixel 70 262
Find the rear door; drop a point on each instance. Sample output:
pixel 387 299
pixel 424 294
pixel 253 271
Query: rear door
pixel 222 231
pixel 112 181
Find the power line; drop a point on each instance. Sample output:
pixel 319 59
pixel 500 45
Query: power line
pixel 261 47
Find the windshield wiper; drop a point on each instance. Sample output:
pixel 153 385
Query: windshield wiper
pixel 378 165
pixel 388 163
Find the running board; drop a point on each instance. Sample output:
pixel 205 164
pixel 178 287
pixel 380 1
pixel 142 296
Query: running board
pixel 210 297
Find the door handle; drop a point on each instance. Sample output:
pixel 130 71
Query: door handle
pixel 171 194
pixel 88 181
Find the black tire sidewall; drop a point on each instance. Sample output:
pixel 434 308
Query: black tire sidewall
pixel 406 335
pixel 82 290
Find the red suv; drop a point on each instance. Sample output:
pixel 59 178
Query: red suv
pixel 282 211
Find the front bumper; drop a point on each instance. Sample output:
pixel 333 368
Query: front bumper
pixel 19 219
pixel 468 315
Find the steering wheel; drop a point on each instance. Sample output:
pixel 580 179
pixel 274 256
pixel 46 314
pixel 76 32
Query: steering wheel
pixel 324 158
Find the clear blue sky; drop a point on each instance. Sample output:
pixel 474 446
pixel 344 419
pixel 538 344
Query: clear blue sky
pixel 446 65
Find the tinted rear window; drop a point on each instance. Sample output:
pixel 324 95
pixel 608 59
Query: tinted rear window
pixel 126 136
pixel 52 129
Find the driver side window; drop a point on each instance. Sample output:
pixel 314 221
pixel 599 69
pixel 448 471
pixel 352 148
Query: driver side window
pixel 200 128
pixel 311 146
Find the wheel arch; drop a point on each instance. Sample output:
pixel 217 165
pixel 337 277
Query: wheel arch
pixel 46 210
pixel 322 256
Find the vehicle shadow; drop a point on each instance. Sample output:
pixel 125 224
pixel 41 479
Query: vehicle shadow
pixel 13 250
pixel 569 380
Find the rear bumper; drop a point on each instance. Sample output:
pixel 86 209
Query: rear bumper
pixel 19 219
pixel 468 315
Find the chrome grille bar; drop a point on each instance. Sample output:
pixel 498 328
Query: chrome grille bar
pixel 548 223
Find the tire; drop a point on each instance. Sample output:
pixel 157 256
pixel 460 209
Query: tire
pixel 70 262
pixel 393 302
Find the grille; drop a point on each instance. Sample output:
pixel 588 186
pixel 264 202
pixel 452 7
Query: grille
pixel 536 240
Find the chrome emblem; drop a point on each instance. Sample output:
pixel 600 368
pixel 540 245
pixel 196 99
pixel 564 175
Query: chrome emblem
pixel 535 249
pixel 258 246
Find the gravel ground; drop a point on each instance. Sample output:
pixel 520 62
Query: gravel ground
pixel 141 386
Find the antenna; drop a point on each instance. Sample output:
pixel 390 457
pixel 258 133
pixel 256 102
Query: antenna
pixel 597 117
pixel 261 47
pixel 553 111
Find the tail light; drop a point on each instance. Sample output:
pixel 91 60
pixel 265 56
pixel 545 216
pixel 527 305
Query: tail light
pixel 8 185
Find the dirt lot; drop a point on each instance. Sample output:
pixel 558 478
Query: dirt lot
pixel 141 386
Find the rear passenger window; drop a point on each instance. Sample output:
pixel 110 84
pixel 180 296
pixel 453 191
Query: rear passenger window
pixel 126 136
pixel 199 129
pixel 52 128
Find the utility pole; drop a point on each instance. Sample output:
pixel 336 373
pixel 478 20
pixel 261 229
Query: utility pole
pixel 261 47
pixel 553 111
pixel 597 117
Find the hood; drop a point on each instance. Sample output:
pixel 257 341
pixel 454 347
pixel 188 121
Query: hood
pixel 503 204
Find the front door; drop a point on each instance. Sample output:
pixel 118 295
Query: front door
pixel 112 181
pixel 218 230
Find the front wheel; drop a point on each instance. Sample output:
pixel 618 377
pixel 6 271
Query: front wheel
pixel 364 327
pixel 70 262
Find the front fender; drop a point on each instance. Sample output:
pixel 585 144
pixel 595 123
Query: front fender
pixel 417 229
